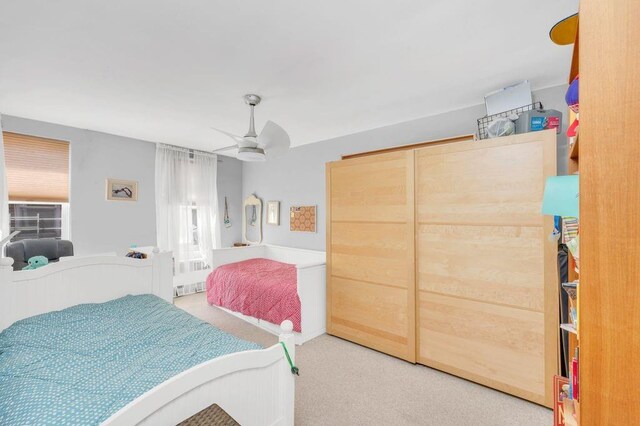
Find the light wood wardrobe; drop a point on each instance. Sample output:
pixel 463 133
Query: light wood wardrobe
pixel 439 255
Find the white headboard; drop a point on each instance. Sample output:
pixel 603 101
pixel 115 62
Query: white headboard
pixel 91 279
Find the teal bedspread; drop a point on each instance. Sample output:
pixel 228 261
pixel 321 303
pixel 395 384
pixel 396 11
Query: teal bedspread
pixel 80 365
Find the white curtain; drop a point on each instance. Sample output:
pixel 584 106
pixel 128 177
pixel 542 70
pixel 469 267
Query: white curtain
pixel 4 192
pixel 187 203
pixel 204 191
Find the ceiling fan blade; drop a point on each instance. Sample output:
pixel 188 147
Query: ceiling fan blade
pixel 226 148
pixel 274 140
pixel 231 135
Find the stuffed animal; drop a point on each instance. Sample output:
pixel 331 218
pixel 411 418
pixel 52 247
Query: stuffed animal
pixel 136 254
pixel 572 97
pixel 36 262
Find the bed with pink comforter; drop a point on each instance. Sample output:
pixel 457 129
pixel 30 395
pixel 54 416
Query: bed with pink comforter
pixel 260 288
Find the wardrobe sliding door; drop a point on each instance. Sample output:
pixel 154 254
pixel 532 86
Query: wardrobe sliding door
pixel 370 252
pixel 486 274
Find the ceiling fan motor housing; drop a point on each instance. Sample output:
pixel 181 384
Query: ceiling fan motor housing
pixel 251 154
pixel 248 142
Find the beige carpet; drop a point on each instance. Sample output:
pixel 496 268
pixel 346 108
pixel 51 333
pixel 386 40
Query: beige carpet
pixel 342 383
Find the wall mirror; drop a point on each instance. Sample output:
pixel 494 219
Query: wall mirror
pixel 252 220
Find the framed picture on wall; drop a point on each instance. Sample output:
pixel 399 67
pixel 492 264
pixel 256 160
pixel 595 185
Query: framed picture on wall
pixel 302 219
pixel 273 213
pixel 122 190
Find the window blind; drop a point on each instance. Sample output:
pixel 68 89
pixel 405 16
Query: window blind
pixel 37 168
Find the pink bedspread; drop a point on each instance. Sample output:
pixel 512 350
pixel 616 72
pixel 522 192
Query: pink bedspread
pixel 260 288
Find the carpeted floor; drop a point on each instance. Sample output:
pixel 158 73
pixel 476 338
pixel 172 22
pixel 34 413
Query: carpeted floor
pixel 342 383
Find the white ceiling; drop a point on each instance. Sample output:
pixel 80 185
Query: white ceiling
pixel 167 70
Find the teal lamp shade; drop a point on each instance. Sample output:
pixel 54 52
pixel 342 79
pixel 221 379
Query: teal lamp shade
pixel 561 196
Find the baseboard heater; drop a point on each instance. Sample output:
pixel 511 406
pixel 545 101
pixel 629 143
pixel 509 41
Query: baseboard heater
pixel 186 289
pixel 197 285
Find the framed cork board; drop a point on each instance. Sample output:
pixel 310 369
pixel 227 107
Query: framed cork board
pixel 302 219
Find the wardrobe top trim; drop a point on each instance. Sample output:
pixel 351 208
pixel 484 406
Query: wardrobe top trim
pixel 460 138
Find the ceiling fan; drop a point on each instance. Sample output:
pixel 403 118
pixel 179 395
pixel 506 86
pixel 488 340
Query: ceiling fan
pixel 271 142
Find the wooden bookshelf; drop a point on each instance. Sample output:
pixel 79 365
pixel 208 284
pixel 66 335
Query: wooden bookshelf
pixel 571 411
pixel 609 298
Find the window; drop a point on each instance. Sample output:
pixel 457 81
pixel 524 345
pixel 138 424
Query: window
pixel 186 220
pixel 38 182
pixel 38 220
pixel 190 258
pixel 191 216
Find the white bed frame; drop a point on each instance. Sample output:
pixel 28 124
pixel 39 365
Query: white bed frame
pixel 311 275
pixel 254 387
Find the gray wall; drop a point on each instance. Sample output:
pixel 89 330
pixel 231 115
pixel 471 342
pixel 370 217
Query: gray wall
pixel 98 225
pixel 298 177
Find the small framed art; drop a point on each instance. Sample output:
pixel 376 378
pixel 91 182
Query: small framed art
pixel 273 213
pixel 122 190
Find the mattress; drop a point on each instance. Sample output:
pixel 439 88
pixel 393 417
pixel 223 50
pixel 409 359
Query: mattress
pixel 80 365
pixel 260 288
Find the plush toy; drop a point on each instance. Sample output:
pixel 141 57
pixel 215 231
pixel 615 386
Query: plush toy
pixel 572 96
pixel 36 262
pixel 136 254
pixel 574 103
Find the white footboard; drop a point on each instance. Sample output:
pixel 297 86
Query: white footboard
pixel 253 387
pixel 90 279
